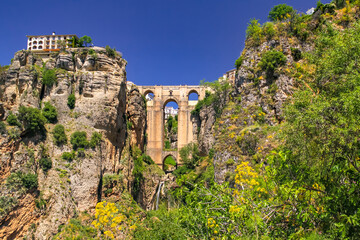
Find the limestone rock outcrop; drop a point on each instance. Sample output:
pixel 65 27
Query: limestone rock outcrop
pixel 103 104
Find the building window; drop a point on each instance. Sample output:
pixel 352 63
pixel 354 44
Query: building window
pixel 30 39
pixel 40 47
pixel 29 43
pixel 47 47
pixel 34 47
pixel 40 42
pixel 47 38
pixel 29 48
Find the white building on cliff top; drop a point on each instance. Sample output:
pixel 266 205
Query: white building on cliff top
pixel 47 43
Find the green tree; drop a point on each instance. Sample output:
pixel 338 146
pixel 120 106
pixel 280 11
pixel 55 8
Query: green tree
pixel 49 77
pixel 189 155
pixel 71 101
pixel 79 140
pixel 49 112
pixel 13 120
pixel 32 119
pixel 280 12
pixel 95 139
pixel 254 33
pixel 271 60
pixel 85 40
pixel 59 135
pixel 45 163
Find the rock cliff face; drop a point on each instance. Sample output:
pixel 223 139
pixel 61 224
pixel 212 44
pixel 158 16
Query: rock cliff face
pixel 238 133
pixel 103 104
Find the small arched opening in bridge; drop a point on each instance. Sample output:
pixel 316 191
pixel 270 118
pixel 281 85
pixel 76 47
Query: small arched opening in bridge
pixel 149 95
pixel 169 163
pixel 193 95
pixel 170 124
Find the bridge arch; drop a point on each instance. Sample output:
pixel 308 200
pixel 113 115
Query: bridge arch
pixel 156 118
pixel 193 95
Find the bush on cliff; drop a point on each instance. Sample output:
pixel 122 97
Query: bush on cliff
pixel 79 140
pixel 272 60
pixel 281 12
pixel 71 101
pixel 59 135
pixel 32 119
pixel 49 112
pixel 13 120
pixel 49 77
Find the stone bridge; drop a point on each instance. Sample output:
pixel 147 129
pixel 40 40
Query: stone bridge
pixel 155 118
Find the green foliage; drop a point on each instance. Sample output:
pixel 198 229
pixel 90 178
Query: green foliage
pixel 49 77
pixel 19 179
pixel 76 230
pixel 189 155
pixel 111 52
pixel 167 144
pixel 215 99
pixel 68 156
pixel 85 40
pixel 147 159
pixel 269 30
pixel 161 224
pixel 2 128
pixel 95 139
pixel 239 62
pixel 169 162
pixel 81 152
pixel 49 112
pixel 45 163
pixel 71 101
pixel 137 170
pixel 271 60
pixel 296 54
pixel 254 33
pixel 7 203
pixel 280 12
pixel 32 119
pixel 247 142
pixel 59 135
pixel 79 140
pixel 12 120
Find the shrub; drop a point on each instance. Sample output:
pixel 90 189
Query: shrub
pixel 81 152
pixel 13 120
pixel 59 135
pixel 239 62
pixel 169 161
pixel 45 163
pixel 280 12
pixel 181 171
pixel 68 156
pixel 190 155
pixel 95 139
pixel 27 180
pixel 167 144
pixel 2 128
pixel 111 52
pixel 271 60
pixel 254 32
pixel 147 159
pixel 71 101
pixel 49 77
pixel 247 142
pixel 32 119
pixel 269 30
pixel 296 54
pixel 78 139
pixel 49 112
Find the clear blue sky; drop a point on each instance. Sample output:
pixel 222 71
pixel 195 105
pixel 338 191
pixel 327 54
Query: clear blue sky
pixel 164 41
